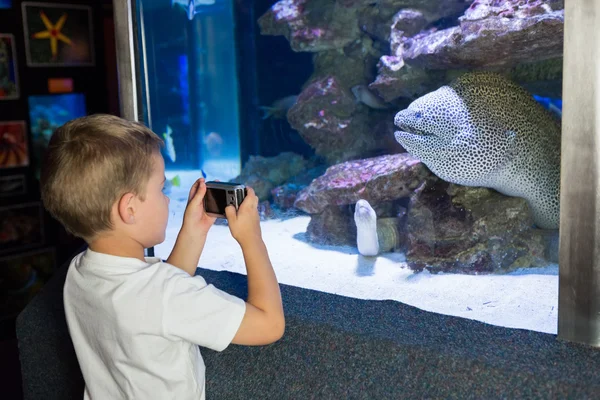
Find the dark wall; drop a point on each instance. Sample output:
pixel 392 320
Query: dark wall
pixel 99 85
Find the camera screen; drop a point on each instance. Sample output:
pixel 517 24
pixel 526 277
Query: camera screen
pixel 216 200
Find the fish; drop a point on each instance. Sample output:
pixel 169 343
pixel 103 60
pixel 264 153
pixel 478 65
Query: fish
pixel 374 236
pixel 364 95
pixel 214 143
pixel 280 107
pixel 555 109
pixel 552 105
pixel 191 6
pixel 176 182
pixel 365 219
pixel 170 183
pixel 485 130
pixel 169 146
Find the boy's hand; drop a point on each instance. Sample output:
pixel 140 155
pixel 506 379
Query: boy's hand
pixel 245 224
pixel 195 219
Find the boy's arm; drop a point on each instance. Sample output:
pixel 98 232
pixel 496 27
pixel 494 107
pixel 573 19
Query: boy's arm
pixel 187 250
pixel 264 321
pixel 192 235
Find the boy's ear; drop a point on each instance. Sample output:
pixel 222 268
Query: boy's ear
pixel 126 208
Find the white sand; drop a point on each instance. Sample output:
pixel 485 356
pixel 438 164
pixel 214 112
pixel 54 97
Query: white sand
pixel 524 299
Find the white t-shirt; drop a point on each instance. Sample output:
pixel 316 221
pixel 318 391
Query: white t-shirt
pixel 136 326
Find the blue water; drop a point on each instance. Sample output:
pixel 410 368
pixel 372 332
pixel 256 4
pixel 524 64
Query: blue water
pixel 192 86
pixel 184 87
pixel 207 73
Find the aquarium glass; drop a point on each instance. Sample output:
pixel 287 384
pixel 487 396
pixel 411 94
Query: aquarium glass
pixel 403 150
pixel 190 94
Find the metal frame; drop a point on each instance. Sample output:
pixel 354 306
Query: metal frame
pixel 579 265
pixel 127 59
pixel 579 277
pixel 128 63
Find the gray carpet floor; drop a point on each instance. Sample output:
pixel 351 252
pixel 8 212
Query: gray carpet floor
pixel 342 348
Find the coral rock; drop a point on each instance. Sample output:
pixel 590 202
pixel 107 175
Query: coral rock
pixel 284 196
pixel 333 227
pixel 311 25
pixel 352 66
pixel 433 10
pixel 452 228
pixel 481 9
pixel 395 79
pixel 523 39
pixel 326 117
pixel 264 173
pixel 496 40
pixel 376 179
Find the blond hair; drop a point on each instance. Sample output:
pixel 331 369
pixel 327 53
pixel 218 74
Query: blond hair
pixel 90 163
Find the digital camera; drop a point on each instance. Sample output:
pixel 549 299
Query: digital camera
pixel 221 194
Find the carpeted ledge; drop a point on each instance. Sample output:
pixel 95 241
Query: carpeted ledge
pixel 338 347
pixel 342 348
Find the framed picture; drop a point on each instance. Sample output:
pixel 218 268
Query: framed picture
pixel 5 4
pixel 21 227
pixel 21 278
pixel 9 74
pixel 58 35
pixel 48 112
pixel 13 185
pixel 13 145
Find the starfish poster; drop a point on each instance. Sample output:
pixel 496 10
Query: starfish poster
pixel 58 35
pixel 9 83
pixel 13 145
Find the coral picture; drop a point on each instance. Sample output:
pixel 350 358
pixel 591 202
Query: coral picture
pixel 21 227
pixel 9 83
pixel 58 34
pixel 13 145
pixel 49 112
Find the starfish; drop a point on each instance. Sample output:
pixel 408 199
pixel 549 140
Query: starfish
pixel 52 32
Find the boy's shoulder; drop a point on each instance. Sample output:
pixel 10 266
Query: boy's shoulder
pixel 97 276
pixel 94 265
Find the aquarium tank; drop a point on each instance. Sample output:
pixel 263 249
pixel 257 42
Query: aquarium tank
pixel 405 150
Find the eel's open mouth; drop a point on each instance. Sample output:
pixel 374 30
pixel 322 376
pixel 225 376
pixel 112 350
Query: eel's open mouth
pixel 402 121
pixel 404 128
pixel 406 120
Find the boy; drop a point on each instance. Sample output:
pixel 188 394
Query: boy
pixel 136 322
